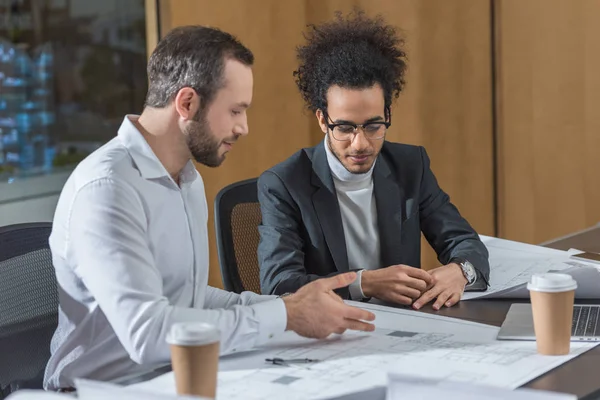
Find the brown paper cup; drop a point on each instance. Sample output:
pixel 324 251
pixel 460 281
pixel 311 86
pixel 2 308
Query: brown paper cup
pixel 552 320
pixel 195 359
pixel 195 369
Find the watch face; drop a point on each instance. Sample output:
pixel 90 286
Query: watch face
pixel 469 271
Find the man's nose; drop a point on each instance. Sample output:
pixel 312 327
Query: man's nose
pixel 360 142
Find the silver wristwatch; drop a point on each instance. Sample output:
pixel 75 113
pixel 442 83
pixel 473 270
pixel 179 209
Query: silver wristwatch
pixel 468 271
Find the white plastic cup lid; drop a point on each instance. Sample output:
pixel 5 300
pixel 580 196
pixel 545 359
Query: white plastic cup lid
pixel 193 334
pixel 552 283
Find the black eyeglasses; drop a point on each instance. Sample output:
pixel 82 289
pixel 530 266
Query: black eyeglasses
pixel 347 131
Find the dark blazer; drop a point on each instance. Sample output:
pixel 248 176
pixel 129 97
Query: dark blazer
pixel 302 237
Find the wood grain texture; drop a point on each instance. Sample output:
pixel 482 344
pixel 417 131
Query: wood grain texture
pixel 548 92
pixel 446 106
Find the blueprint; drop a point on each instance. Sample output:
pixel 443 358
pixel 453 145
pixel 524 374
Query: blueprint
pixel 513 263
pixel 402 387
pixel 405 342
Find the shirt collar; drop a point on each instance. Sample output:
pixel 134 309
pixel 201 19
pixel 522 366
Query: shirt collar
pixel 340 173
pixel 146 161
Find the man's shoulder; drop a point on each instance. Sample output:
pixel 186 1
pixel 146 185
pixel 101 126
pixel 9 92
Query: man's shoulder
pixel 109 162
pixel 400 149
pixel 296 167
pixel 402 157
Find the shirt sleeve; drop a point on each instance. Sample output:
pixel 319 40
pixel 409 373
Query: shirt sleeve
pixel 271 311
pixel 107 245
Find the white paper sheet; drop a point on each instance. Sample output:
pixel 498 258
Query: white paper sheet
pixel 29 394
pixel 513 263
pixel 406 342
pixel 406 387
pixel 94 390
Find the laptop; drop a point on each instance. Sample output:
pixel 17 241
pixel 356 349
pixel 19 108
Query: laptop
pixel 518 324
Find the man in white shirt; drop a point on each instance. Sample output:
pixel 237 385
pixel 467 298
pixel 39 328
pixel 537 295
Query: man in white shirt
pixel 129 239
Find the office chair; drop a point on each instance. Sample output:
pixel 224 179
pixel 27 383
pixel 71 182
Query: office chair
pixel 237 216
pixel 28 305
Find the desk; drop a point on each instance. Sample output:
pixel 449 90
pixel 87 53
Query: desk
pixel 586 240
pixel 580 376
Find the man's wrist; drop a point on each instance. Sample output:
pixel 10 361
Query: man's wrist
pixel 467 269
pixel 289 303
pixel 365 283
pixel 356 287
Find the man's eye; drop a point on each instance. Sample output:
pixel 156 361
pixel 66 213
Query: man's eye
pixel 235 112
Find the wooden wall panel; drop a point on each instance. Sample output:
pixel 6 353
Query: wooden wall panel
pixel 548 92
pixel 446 106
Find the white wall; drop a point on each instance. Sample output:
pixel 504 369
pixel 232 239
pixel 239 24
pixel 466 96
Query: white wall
pixel 31 199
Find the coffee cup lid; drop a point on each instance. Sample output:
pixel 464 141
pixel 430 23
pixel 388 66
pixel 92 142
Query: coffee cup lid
pixel 193 334
pixel 552 282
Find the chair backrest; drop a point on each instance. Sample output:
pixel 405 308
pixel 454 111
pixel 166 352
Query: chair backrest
pixel 237 216
pixel 28 301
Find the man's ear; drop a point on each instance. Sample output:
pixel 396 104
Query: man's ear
pixel 321 119
pixel 187 103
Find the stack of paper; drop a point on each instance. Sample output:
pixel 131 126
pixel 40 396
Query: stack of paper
pixel 513 263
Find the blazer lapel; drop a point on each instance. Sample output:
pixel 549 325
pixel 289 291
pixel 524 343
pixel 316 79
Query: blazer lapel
pixel 389 200
pixel 327 208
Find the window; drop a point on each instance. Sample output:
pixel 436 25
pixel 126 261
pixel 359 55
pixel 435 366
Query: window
pixel 69 72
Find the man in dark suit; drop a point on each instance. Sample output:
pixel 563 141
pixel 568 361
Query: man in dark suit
pixel 356 201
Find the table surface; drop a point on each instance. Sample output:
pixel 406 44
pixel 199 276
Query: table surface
pixel 579 376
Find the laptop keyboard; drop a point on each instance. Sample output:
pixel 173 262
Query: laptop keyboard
pixel 585 321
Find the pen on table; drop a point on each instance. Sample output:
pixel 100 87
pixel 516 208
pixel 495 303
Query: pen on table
pixel 281 361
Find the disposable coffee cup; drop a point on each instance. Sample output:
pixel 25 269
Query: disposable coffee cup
pixel 552 297
pixel 195 358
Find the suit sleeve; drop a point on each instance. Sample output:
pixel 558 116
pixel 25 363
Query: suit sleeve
pixel 445 229
pixel 280 250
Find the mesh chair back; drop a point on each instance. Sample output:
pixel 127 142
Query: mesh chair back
pixel 237 216
pixel 28 301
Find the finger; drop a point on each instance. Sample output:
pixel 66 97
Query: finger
pixel 337 281
pixel 455 298
pixel 412 289
pixel 350 312
pixel 415 283
pixel 359 325
pixel 411 293
pixel 419 273
pixel 335 297
pixel 441 299
pixel 400 299
pixel 340 330
pixel 427 297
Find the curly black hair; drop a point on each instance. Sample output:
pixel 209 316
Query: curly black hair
pixel 353 52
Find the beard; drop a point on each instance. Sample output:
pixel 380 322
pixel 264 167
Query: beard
pixel 361 170
pixel 201 142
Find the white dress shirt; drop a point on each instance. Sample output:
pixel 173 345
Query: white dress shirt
pixel 359 218
pixel 130 249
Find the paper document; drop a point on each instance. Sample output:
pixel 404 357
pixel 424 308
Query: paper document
pixel 405 342
pixel 29 394
pixel 94 390
pixel 513 263
pixel 403 387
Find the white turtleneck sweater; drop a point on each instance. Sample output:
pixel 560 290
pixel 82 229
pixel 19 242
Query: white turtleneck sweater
pixel 359 218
